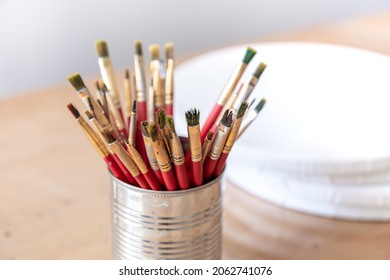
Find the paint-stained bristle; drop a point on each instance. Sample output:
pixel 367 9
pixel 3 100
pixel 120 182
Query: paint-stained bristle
pixel 260 105
pixel 250 53
pixel 227 118
pixel 160 116
pixel 138 47
pixel 73 110
pixel 192 117
pixel 169 49
pixel 153 132
pixel 90 106
pixel 171 124
pixel 154 51
pixel 101 84
pixel 109 138
pixel 127 74
pixel 89 115
pixel 76 81
pixel 144 129
pixel 134 108
pixel 97 86
pixel 210 135
pixel 242 109
pixel 101 48
pixel 259 70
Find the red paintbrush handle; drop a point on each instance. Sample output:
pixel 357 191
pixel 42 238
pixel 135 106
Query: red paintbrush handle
pixel 221 164
pixel 140 145
pixel 182 176
pixel 152 181
pixel 159 176
pixel 142 181
pixel 141 111
pixel 209 167
pixel 169 110
pixel 114 168
pixel 210 121
pixel 197 173
pixel 170 180
pixel 129 178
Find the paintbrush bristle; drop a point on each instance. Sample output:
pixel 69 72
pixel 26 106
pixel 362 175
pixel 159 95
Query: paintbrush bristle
pixel 101 48
pixel 144 129
pixel 76 81
pixel 171 124
pixel 260 105
pixel 249 54
pixel 153 131
pixel 227 118
pixel 134 108
pixel 127 74
pixel 169 49
pixel 90 106
pixel 97 86
pixel 73 110
pixel 108 136
pixel 138 47
pixel 101 85
pixel 89 115
pixel 154 51
pixel 192 117
pixel 160 116
pixel 210 135
pixel 242 109
pixel 259 70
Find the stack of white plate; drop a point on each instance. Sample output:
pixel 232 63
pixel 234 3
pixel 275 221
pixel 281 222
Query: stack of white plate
pixel 321 145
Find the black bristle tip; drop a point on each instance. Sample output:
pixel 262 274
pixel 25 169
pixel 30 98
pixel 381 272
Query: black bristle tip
pixel 127 74
pixel 138 47
pixel 107 134
pixel 210 135
pixel 73 110
pixel 227 118
pixel 242 109
pixel 134 107
pixel 192 117
pixel 76 81
pixel 260 105
pixel 101 48
pixel 89 115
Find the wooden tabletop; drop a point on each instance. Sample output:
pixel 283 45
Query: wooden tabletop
pixel 54 191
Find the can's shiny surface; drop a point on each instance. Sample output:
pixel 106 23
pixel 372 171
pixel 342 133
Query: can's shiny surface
pixel 166 225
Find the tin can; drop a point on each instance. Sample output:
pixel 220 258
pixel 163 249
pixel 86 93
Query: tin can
pixel 184 224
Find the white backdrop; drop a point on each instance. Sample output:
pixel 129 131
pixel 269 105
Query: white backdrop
pixel 44 41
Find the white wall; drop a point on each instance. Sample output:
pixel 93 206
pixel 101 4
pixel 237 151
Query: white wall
pixel 44 41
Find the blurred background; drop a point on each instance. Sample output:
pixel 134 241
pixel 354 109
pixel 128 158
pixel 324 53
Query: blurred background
pixel 44 41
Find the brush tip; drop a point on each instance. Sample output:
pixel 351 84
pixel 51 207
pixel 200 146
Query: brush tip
pixel 259 70
pixel 169 49
pixel 227 118
pixel 153 132
pixel 144 128
pixel 192 117
pixel 134 107
pixel 210 135
pixel 171 124
pixel 242 109
pixel 138 47
pixel 101 48
pixel 76 81
pixel 89 115
pixel 127 74
pixel 154 51
pixel 260 105
pixel 109 138
pixel 160 116
pixel 249 54
pixel 73 110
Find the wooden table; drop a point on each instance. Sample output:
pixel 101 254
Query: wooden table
pixel 54 196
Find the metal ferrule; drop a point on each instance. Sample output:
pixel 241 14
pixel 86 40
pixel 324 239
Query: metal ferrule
pixel 232 136
pixel 176 150
pixel 137 158
pixel 245 92
pixel 139 74
pixel 150 153
pixel 219 141
pixel 125 158
pixel 169 83
pixel 231 84
pixel 108 76
pixel 95 140
pixel 150 104
pixel 133 128
pixel 115 113
pixel 195 142
pixel 162 156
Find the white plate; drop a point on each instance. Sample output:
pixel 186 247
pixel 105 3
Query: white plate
pixel 327 115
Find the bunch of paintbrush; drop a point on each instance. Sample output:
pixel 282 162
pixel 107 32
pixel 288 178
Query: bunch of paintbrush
pixel 138 140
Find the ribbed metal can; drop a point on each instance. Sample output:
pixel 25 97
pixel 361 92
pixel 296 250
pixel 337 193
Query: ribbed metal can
pixel 185 224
